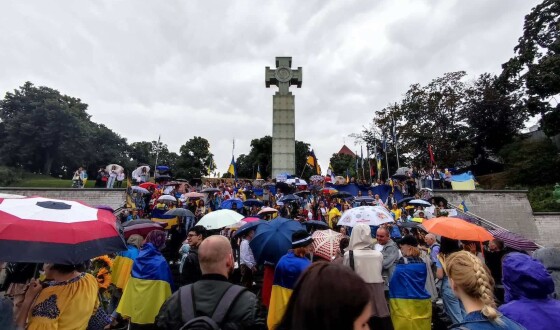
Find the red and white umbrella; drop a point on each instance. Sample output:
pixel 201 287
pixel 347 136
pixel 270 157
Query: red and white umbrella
pixel 326 243
pixel 266 210
pixel 38 229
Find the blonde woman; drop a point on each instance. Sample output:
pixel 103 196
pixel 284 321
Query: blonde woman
pixel 472 283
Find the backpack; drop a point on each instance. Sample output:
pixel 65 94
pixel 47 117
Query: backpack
pixel 188 308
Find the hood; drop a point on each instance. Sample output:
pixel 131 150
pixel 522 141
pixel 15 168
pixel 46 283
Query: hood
pixel 360 238
pixel 525 277
pixel 550 258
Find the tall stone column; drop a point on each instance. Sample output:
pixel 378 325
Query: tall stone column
pixel 283 115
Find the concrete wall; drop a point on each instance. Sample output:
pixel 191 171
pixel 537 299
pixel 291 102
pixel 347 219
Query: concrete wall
pixel 548 225
pixel 111 197
pixel 509 209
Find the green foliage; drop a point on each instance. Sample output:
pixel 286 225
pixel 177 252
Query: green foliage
pixel 531 162
pixel 341 162
pixel 195 160
pixel 535 68
pixel 542 199
pixel 9 176
pixel 145 153
pixel 261 155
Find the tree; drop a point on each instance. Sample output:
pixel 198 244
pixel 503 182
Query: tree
pixel 342 162
pixel 42 127
pixel 535 68
pixel 195 159
pixel 144 152
pixel 495 116
pixel 429 115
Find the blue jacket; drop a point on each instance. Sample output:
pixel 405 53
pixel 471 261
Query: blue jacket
pixel 527 288
pixel 477 321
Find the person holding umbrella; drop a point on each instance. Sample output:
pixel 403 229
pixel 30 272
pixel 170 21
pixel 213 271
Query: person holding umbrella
pixel 287 272
pixel 247 261
pixel 66 300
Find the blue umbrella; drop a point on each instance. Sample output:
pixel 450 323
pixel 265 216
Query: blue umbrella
pixel 248 227
pixel 316 223
pixel 407 199
pixel 273 239
pixel 253 202
pixel 228 204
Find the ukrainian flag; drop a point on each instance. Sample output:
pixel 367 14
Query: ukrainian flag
pixel 122 266
pixel 147 289
pixel 410 303
pixel 159 216
pixel 287 272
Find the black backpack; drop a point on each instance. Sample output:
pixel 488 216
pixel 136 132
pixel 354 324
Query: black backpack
pixel 188 308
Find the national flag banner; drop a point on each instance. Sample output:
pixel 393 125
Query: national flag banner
pixel 362 155
pixel 384 142
pixel 149 280
pixel 347 176
pixel 409 301
pixel 372 171
pixel 311 160
pixel 231 169
pixel 463 207
pixel 330 173
pixel 432 159
pixel 259 172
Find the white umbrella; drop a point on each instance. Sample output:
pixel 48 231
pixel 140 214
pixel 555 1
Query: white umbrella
pixel 297 182
pixel 114 167
pixel 10 196
pixel 419 202
pixel 168 198
pixel 138 172
pixel 139 190
pixel 370 215
pixel 268 210
pixel 220 219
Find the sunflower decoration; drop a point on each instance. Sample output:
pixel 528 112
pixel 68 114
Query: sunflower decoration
pixel 101 269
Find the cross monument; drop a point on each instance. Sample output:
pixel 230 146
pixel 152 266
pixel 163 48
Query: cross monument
pixel 283 115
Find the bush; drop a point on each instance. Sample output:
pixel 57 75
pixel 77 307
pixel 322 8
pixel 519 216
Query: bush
pixel 9 176
pixel 542 199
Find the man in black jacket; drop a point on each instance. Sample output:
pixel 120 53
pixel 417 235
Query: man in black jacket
pixel 191 267
pixel 216 263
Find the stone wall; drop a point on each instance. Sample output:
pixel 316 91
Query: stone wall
pixel 509 209
pixel 114 198
pixel 548 225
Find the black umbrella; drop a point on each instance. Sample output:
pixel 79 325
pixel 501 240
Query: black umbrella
pixel 209 190
pixel 400 177
pixel 253 202
pixel 180 212
pixel 437 200
pixel 284 187
pixel 303 193
pixel 407 199
pixel 411 224
pixel 316 223
pixel 248 227
pixel 366 199
pixel 289 198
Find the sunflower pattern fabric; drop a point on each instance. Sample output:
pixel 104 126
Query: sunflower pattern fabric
pixel 65 305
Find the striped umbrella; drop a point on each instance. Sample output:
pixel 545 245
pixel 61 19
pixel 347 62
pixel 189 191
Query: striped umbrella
pixel 513 240
pixel 38 229
pixel 326 243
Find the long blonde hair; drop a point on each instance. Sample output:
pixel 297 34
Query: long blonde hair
pixel 473 277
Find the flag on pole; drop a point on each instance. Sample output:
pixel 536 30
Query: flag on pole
pixel 362 155
pixel 330 173
pixel 259 172
pixel 232 169
pixel 347 176
pixel 463 207
pixel 384 142
pixel 394 128
pixel 312 162
pixel 432 159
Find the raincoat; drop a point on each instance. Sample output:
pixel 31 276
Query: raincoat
pixel 528 287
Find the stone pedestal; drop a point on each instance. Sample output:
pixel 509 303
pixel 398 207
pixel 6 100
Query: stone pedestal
pixel 283 134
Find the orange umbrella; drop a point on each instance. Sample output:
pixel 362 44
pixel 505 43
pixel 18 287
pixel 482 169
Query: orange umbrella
pixel 457 229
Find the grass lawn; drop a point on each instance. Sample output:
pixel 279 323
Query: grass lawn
pixel 31 180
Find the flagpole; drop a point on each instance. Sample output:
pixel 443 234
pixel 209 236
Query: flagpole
pixel 157 155
pixel 368 163
pixel 395 140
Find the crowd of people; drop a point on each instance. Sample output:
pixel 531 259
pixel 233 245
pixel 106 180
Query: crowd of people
pixel 392 276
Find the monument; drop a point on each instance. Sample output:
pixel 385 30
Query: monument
pixel 283 115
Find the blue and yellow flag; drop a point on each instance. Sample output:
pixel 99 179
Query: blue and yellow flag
pixel 122 266
pixel 148 288
pixel 287 272
pixel 411 307
pixel 232 169
pixel 259 172
pixel 463 207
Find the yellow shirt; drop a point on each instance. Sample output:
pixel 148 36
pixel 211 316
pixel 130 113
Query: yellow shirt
pixel 333 213
pixel 397 213
pixel 65 305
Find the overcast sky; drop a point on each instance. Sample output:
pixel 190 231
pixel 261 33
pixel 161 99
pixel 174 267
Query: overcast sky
pixel 196 68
